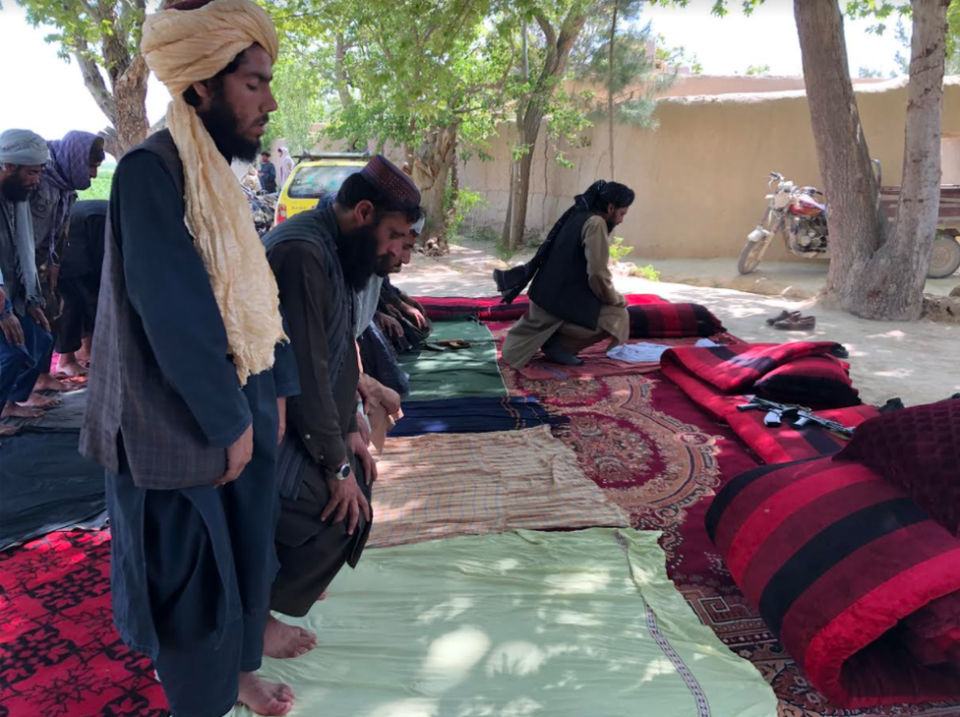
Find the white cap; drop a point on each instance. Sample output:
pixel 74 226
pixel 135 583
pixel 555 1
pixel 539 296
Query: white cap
pixel 418 225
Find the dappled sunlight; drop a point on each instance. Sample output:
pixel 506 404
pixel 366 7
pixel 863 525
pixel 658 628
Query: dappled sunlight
pixel 581 583
pixel 413 707
pixel 521 659
pixel 451 657
pixel 656 668
pixel 446 611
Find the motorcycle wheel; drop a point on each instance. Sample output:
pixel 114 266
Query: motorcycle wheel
pixel 751 255
pixel 945 259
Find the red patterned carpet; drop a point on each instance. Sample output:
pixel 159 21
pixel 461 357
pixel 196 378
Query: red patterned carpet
pixel 661 458
pixel 59 653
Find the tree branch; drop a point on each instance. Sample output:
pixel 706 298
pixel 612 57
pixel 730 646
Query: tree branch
pixel 94 80
pixel 547 29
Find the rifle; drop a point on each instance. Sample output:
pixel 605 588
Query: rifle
pixel 799 416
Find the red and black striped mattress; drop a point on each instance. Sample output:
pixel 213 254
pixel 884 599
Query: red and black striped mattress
pixel 837 560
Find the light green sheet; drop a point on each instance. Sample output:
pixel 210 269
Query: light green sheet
pixel 585 624
pixel 455 374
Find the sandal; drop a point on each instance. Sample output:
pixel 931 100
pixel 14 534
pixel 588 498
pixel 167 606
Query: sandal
pixel 783 316
pixel 797 323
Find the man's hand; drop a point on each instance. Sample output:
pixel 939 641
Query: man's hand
pixel 282 416
pixel 53 277
pixel 346 501
pixel 356 444
pixel 390 325
pixel 12 330
pixel 415 316
pixel 238 456
pixel 36 313
pixel 363 428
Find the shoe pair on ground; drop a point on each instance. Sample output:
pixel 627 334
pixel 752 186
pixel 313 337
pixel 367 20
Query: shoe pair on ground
pixel 792 321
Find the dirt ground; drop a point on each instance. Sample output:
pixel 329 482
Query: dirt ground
pixel 918 362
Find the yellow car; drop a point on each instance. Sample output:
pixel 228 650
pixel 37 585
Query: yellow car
pixel 314 177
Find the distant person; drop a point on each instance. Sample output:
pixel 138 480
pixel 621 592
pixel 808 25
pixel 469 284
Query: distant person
pixel 286 167
pixel 190 371
pixel 267 174
pixel 573 303
pixel 74 162
pixel 251 180
pixel 24 330
pixel 80 283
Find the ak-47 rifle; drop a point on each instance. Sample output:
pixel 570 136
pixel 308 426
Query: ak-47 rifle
pixel 798 416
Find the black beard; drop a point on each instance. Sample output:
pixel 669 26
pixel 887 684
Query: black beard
pixel 14 190
pixel 384 266
pixel 221 123
pixel 358 256
pixel 610 226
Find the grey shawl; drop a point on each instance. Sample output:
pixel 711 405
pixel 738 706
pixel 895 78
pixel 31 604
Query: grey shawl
pixel 19 225
pixel 318 227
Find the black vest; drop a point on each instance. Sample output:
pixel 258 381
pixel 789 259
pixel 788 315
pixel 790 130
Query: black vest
pixel 561 285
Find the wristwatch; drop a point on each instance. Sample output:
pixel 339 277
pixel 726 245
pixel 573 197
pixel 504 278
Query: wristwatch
pixel 343 472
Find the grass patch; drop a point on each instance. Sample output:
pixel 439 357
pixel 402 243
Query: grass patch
pixel 99 187
pixel 646 272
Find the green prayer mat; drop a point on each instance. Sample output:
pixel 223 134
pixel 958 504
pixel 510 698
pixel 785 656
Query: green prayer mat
pixel 520 624
pixel 455 374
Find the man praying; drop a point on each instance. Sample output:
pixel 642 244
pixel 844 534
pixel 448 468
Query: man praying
pixel 191 370
pixel 573 303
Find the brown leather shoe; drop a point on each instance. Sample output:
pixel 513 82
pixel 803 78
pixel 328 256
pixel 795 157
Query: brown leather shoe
pixel 796 323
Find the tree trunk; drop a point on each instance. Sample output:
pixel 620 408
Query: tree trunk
pixel 130 97
pixel 431 167
pixel 893 282
pixel 872 274
pixel 610 108
pixel 558 47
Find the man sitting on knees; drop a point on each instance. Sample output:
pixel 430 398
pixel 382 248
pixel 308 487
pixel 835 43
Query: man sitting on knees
pixel 573 303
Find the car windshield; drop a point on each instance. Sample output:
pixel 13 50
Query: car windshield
pixel 312 182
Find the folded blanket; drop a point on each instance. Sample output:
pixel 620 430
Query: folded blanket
pixel 734 369
pixel 474 415
pixel 442 308
pixel 772 445
pixel 672 321
pixel 835 557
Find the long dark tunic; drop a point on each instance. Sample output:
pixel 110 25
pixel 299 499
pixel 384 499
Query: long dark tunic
pixel 311 551
pixel 191 567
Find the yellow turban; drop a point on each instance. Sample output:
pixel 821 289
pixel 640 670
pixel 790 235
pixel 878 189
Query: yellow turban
pixel 183 47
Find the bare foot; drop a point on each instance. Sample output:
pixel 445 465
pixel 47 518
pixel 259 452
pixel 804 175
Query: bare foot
pixel 71 369
pixel 13 410
pixel 282 641
pixel 38 401
pixel 323 596
pixel 46 382
pixel 264 698
pixel 6 430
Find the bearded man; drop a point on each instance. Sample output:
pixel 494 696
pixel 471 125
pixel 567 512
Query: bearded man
pixel 573 303
pixel 190 371
pixel 321 259
pixel 24 331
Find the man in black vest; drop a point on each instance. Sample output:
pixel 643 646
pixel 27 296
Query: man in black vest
pixel 573 303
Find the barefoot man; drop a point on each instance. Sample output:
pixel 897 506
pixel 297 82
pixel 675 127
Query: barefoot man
pixel 24 331
pixel 190 369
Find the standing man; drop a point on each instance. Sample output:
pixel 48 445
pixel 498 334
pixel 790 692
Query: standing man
pixel 322 258
pixel 573 303
pixel 267 173
pixel 74 162
pixel 184 386
pixel 24 331
pixel 286 168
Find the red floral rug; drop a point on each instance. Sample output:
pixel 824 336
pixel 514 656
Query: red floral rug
pixel 60 655
pixel 660 457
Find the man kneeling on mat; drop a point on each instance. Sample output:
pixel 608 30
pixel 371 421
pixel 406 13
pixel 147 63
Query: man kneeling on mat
pixel 573 303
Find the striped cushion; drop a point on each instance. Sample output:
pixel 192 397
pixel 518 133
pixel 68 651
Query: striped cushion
pixel 816 382
pixel 835 556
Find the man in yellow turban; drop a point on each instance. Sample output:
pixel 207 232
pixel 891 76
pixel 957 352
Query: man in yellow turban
pixel 190 372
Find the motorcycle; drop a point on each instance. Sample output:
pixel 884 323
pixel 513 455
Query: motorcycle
pixel 261 208
pixel 795 214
